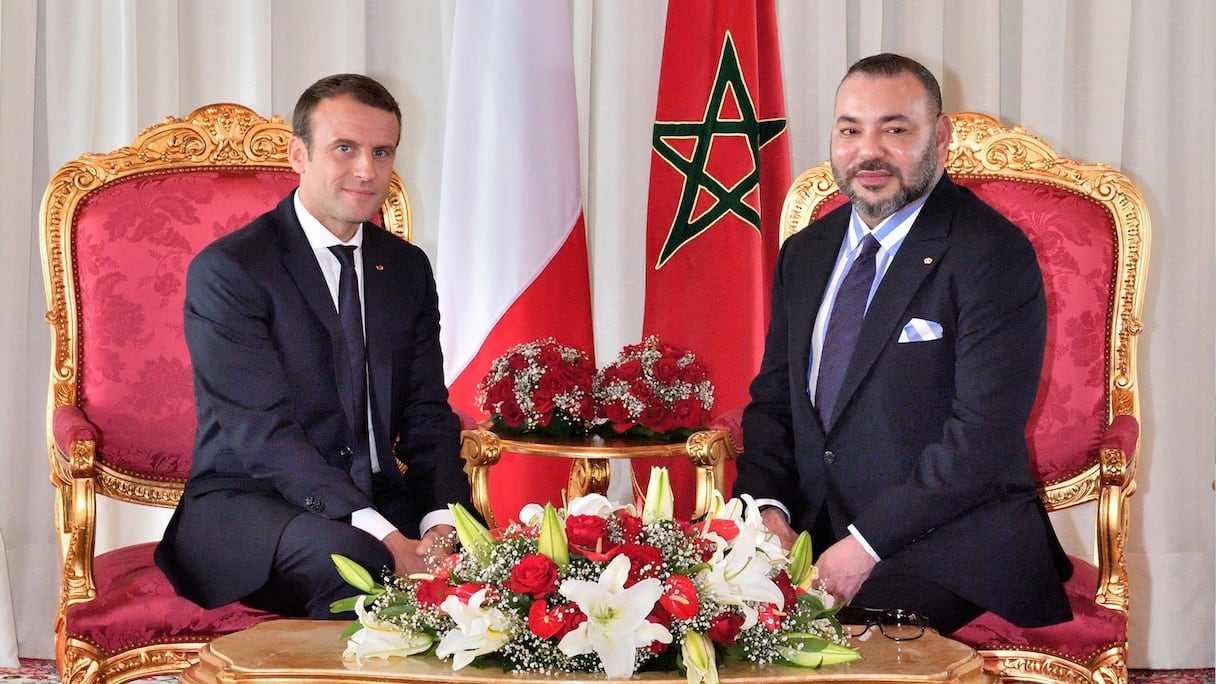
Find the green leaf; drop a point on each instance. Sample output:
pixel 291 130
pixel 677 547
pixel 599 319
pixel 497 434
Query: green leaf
pixel 344 605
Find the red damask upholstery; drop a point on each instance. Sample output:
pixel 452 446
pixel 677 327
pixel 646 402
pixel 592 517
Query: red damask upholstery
pixel 135 239
pixel 1089 228
pixel 118 232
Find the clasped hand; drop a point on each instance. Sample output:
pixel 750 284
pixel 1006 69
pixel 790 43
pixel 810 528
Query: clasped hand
pixel 410 556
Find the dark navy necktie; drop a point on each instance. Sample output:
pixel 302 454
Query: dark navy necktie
pixel 843 327
pixel 350 313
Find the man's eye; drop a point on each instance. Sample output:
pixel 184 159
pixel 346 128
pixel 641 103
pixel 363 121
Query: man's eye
pixel 381 153
pixel 342 148
pixel 897 131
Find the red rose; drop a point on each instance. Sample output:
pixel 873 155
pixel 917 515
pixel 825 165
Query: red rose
pixel 687 413
pixel 432 592
pixel 656 417
pixel 630 370
pixel 642 392
pixel 724 628
pixel 618 414
pixel 501 391
pixel 645 561
pixel 680 597
pixel 783 582
pixel 586 530
pixel 542 402
pixel 550 357
pixel 517 362
pixel 511 414
pixel 551 382
pixel 693 373
pixel 666 370
pixel 534 575
pixel 631 525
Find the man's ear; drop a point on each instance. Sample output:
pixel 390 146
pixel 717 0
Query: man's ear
pixel 297 154
pixel 944 130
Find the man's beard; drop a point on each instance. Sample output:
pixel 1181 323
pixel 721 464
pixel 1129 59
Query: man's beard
pixel 922 175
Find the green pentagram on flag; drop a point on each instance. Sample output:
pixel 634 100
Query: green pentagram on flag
pixel 687 146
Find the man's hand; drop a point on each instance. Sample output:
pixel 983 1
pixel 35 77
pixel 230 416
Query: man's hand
pixel 406 558
pixel 776 522
pixel 438 542
pixel 843 567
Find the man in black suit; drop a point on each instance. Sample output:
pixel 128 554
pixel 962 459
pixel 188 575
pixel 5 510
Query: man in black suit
pixel 889 412
pixel 302 416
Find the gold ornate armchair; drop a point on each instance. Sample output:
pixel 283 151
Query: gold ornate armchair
pixel 118 231
pixel 1090 229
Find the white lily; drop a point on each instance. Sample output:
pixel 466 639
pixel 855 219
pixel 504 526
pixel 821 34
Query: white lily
pixel 739 573
pixel 380 641
pixel 594 504
pixel 478 630
pixel 616 623
pixel 700 662
pixel 660 501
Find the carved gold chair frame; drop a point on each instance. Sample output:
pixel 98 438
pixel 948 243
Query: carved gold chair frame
pixel 981 148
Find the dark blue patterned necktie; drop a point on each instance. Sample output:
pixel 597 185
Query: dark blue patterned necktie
pixel 349 311
pixel 843 327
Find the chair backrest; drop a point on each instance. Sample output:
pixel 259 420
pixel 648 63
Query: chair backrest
pixel 1089 227
pixel 119 230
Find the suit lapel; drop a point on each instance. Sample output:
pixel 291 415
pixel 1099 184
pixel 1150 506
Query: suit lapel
pixel 377 288
pixel 919 255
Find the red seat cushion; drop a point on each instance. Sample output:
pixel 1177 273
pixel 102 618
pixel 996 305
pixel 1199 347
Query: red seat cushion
pixel 1093 629
pixel 136 606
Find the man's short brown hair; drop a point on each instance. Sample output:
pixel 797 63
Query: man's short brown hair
pixel 364 90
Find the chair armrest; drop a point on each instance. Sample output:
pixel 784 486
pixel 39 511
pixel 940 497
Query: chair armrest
pixel 1117 458
pixel 70 426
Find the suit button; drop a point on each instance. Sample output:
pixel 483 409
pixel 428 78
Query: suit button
pixel 829 457
pixel 314 504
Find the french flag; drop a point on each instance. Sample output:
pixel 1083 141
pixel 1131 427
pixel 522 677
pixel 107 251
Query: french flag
pixel 512 261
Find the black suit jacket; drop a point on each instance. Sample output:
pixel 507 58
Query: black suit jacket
pixel 273 441
pixel 927 454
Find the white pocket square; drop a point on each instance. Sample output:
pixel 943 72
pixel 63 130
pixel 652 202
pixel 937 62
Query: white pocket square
pixel 920 330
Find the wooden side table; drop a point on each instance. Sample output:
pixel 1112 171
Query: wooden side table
pixel 310 652
pixel 589 456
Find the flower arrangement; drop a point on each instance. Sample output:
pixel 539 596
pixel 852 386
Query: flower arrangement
pixel 654 389
pixel 596 587
pixel 540 386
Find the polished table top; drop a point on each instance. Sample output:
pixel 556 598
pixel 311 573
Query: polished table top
pixel 306 651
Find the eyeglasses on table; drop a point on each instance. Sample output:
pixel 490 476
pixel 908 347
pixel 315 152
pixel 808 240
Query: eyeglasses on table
pixel 895 624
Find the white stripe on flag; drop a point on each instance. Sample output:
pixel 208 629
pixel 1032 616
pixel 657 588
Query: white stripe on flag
pixel 510 190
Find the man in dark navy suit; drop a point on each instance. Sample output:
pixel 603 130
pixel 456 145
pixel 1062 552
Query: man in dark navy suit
pixel 306 405
pixel 900 368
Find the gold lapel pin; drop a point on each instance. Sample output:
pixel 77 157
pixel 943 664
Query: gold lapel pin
pixel 928 260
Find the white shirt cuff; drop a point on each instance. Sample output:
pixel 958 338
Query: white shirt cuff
pixel 440 517
pixel 370 521
pixel 864 544
pixel 773 503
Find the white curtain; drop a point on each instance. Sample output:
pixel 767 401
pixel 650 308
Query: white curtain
pixel 1128 82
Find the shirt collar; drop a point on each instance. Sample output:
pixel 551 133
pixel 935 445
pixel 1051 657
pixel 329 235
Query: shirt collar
pixel 318 235
pixel 891 232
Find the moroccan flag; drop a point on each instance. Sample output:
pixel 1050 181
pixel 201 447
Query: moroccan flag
pixel 719 171
pixel 512 264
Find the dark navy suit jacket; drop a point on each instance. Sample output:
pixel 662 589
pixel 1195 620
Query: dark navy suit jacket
pixel 927 454
pixel 273 442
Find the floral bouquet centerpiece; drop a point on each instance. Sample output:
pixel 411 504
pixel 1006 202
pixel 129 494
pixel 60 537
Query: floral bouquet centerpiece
pixel 654 389
pixel 541 386
pixel 599 588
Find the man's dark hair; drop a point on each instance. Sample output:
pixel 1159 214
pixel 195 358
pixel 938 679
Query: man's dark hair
pixel 363 89
pixel 888 65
